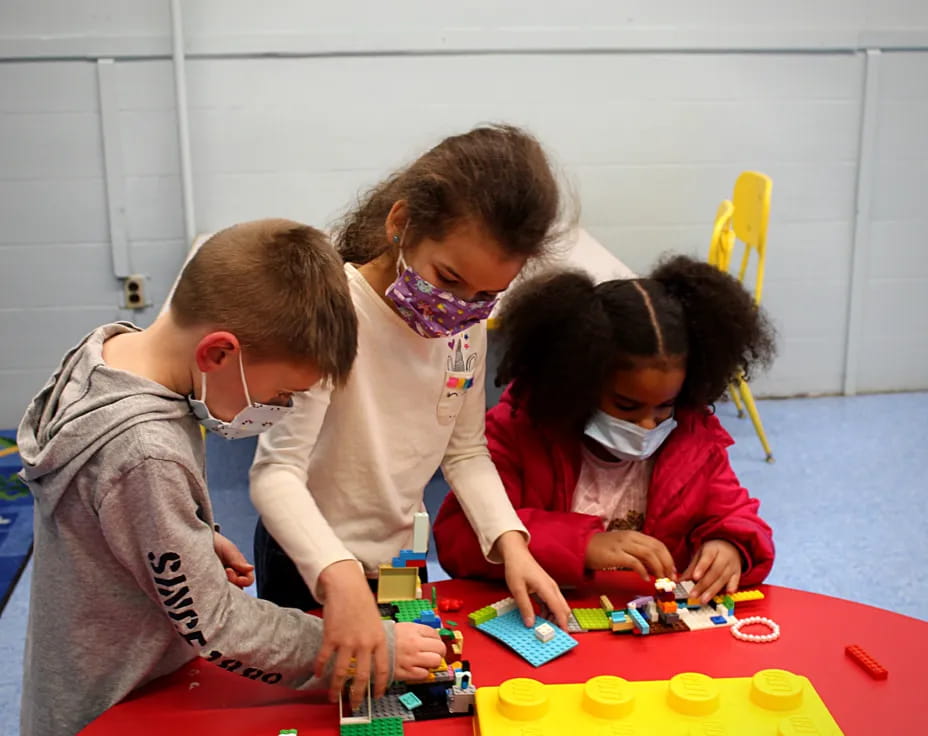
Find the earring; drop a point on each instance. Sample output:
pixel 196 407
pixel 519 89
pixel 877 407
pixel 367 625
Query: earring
pixel 396 239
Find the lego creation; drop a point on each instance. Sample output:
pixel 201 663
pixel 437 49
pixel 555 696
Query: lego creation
pixel 510 630
pixel 756 638
pixel 866 662
pixel 772 702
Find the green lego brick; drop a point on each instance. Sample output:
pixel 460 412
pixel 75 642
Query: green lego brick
pixel 288 732
pixel 377 727
pixel 408 611
pixel 591 619
pixel 450 623
pixel 481 615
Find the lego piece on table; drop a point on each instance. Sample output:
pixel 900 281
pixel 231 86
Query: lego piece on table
pixel 683 589
pixel 461 700
pixel 420 532
pixel 620 621
pixel 481 615
pixel 650 612
pixel 434 598
pixel 504 606
pixel 638 620
pixel 448 622
pixel 698 619
pixel 450 604
pixel 410 701
pixel 866 662
pixel 606 604
pixel 544 632
pixel 665 585
pixel 407 611
pixel 717 619
pixel 379 727
pixel 772 701
pixel 640 602
pixel 747 595
pixel 397 584
pixel 667 606
pixel 465 680
pixel 288 732
pixel 428 618
pixel 510 630
pixel 573 626
pixel 591 619
pixel 361 715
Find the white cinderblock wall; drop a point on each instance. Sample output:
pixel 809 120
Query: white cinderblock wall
pixel 650 110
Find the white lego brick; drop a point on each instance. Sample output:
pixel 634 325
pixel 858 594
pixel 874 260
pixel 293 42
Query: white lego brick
pixel 698 619
pixel 420 532
pixel 651 611
pixel 544 632
pixel 504 606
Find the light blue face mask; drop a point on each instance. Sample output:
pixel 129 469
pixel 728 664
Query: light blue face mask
pixel 626 440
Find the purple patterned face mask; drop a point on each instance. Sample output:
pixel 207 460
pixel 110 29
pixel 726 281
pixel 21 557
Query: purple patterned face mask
pixel 430 311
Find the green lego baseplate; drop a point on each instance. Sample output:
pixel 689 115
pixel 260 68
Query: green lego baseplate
pixel 591 619
pixel 408 611
pixel 377 727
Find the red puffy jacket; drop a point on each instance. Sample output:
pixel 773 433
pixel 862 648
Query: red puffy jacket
pixel 694 497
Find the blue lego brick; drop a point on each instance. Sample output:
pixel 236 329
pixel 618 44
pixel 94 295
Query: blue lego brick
pixel 408 554
pixel 718 620
pixel 617 617
pixel 639 621
pixel 410 700
pixel 510 630
pixel 428 618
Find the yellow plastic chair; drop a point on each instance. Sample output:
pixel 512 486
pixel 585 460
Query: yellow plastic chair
pixel 744 219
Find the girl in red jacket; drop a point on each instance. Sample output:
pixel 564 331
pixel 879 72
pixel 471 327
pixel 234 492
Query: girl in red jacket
pixel 606 440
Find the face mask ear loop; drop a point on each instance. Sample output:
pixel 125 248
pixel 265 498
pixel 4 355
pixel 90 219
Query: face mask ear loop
pixel 241 370
pixel 203 387
pixel 400 261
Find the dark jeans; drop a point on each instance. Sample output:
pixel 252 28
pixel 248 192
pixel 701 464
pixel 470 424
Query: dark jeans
pixel 279 581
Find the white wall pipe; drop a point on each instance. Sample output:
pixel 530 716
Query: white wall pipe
pixel 183 124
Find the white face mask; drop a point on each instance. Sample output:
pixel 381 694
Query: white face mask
pixel 626 440
pixel 254 419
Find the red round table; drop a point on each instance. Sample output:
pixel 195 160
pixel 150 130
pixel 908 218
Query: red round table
pixel 200 698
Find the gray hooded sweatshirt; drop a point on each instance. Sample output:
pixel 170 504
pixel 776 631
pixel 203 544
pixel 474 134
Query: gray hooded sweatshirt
pixel 126 586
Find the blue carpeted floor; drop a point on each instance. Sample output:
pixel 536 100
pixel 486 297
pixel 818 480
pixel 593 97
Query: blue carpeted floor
pixel 847 498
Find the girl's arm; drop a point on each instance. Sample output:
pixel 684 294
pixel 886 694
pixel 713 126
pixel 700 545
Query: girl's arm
pixel 279 492
pixel 731 515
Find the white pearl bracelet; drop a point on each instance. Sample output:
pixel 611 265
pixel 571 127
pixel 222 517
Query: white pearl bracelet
pixel 772 636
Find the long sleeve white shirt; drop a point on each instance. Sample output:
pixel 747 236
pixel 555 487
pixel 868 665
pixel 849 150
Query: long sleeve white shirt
pixel 342 475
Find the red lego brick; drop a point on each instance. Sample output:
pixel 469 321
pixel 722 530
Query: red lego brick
pixel 866 662
pixel 415 563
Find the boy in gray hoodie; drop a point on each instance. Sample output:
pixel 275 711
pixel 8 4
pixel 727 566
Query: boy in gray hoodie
pixel 130 581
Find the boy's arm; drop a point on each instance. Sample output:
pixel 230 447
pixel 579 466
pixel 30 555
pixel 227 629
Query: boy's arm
pixel 730 514
pixel 150 521
pixel 279 492
pixel 558 539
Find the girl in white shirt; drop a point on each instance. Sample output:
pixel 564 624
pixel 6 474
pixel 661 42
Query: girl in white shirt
pixel 337 482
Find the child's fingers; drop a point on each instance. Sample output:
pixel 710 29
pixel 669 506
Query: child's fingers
pixel 524 602
pixel 325 654
pixel 628 560
pixel 340 673
pixel 706 559
pixel 733 583
pixel 360 682
pixel 381 669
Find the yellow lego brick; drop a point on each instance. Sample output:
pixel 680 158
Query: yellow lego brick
pixel 771 703
pixel 747 595
pixel 606 604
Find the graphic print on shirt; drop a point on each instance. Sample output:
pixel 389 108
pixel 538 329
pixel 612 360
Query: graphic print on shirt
pixel 459 378
pixel 633 520
pixel 179 602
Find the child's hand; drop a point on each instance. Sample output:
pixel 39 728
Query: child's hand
pixel 716 565
pixel 418 649
pixel 525 576
pixel 629 549
pixel 238 570
pixel 352 631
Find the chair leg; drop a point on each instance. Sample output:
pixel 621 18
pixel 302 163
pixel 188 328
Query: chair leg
pixel 735 398
pixel 748 398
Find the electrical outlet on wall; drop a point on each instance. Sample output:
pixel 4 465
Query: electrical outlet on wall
pixel 135 292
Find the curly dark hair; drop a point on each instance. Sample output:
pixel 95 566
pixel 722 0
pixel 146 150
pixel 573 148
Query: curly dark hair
pixel 496 174
pixel 565 336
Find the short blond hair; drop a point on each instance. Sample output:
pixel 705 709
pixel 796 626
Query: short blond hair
pixel 279 287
